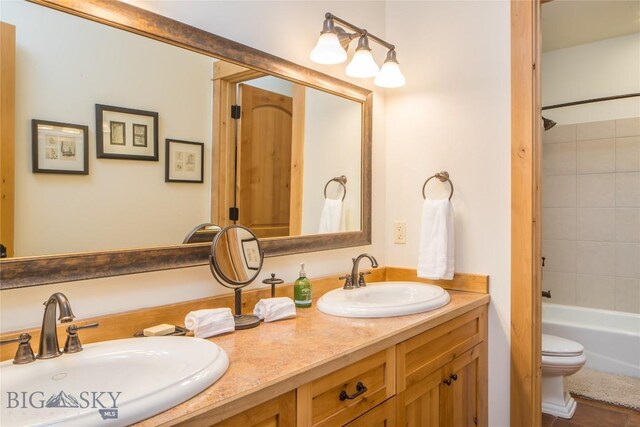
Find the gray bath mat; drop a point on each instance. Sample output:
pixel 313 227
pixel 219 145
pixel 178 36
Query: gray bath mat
pixel 611 388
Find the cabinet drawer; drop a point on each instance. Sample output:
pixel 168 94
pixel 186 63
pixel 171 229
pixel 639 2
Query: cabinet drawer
pixel 320 402
pixel 423 354
pixel 381 416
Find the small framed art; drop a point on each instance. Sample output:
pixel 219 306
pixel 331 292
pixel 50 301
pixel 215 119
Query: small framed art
pixel 125 133
pixel 251 253
pixel 184 161
pixel 59 147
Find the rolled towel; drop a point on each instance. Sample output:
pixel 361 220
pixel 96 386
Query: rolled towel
pixel 272 309
pixel 209 322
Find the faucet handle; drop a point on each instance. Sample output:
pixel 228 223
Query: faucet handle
pixel 24 354
pixel 73 345
pixel 361 282
pixel 347 281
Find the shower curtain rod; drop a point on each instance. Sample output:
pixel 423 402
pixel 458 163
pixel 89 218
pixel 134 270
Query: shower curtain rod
pixel 588 101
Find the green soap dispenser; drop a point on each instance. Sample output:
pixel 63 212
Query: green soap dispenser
pixel 302 289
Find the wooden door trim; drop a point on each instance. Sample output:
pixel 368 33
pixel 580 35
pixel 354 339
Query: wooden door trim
pixel 7 134
pixel 525 213
pixel 225 77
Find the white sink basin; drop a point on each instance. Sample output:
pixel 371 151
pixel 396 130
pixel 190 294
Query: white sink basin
pixel 384 299
pixel 110 383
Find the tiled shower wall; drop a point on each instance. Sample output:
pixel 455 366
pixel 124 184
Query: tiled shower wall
pixel 591 214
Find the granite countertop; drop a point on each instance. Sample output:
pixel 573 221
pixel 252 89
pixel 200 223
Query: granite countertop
pixel 277 357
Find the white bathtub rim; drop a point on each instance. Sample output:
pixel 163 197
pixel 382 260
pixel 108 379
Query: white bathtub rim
pixel 615 321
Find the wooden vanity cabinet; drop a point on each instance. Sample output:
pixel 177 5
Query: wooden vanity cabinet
pixel 436 378
pixel 442 374
pixel 277 412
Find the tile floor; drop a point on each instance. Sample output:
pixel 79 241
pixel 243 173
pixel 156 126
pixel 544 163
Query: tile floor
pixel 591 413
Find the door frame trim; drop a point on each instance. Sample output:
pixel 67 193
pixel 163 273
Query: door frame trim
pixel 526 127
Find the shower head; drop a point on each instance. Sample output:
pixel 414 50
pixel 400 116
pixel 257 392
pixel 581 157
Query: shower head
pixel 547 123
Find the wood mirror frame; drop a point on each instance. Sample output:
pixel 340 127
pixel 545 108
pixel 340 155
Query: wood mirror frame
pixel 49 269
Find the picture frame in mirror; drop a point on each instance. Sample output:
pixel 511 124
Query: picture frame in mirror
pixel 126 133
pixel 184 161
pixel 60 148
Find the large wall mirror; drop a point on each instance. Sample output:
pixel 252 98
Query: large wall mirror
pixel 243 137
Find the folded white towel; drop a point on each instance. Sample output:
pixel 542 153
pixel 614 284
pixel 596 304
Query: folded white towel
pixel 272 309
pixel 209 322
pixel 437 240
pixel 331 216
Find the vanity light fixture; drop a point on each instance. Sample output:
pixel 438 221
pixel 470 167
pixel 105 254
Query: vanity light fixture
pixel 334 41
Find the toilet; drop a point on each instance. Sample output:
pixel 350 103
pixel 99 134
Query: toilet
pixel 560 357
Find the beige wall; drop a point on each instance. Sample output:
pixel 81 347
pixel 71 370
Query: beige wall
pixel 591 214
pixel 453 115
pixel 120 203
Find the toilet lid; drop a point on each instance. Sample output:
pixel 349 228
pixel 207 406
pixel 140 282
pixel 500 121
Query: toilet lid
pixel 556 346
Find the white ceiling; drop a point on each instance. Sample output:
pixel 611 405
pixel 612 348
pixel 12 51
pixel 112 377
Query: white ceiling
pixel 567 23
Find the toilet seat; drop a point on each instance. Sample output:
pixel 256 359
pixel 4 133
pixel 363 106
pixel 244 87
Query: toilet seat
pixel 560 347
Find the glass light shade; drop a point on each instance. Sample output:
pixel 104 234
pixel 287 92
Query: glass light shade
pixel 362 65
pixel 390 76
pixel 328 50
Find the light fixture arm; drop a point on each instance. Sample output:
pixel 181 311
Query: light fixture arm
pixel 359 31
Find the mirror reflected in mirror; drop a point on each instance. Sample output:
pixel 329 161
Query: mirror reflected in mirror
pixel 235 261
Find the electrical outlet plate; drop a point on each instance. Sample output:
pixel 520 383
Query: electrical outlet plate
pixel 400 232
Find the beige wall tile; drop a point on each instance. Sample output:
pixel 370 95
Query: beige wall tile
pixel 628 260
pixel 627 295
pixel 561 285
pixel 596 130
pixel 596 224
pixel 595 291
pixel 628 225
pixel 559 191
pixel 559 159
pixel 596 156
pixel 596 190
pixel 559 223
pixel 628 189
pixel 596 258
pixel 628 154
pixel 560 256
pixel 628 127
pixel 560 133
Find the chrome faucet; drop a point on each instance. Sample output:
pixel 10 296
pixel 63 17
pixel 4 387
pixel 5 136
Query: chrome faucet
pixel 354 270
pixel 49 346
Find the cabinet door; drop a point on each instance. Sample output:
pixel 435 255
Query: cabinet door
pixel 419 405
pixel 462 390
pixel 278 412
pixel 383 415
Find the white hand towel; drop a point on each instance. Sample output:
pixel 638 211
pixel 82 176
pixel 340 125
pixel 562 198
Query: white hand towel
pixel 437 240
pixel 331 216
pixel 272 309
pixel 209 322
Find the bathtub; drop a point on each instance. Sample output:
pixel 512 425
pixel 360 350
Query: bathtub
pixel 611 339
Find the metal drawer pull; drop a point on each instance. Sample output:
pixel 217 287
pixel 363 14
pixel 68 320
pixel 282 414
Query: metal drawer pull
pixel 452 377
pixel 360 388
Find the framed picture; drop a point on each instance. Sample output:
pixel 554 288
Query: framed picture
pixel 124 133
pixel 59 147
pixel 184 161
pixel 251 253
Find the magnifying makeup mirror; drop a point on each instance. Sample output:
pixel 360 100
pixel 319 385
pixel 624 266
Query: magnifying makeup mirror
pixel 236 260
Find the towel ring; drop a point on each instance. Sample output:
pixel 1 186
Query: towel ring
pixel 442 176
pixel 342 180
